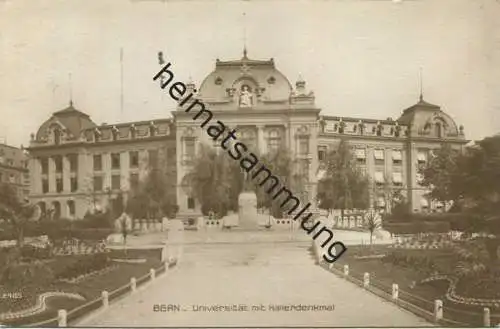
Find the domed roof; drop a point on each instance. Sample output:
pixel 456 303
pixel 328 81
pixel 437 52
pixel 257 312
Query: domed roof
pixel 70 119
pixel 261 76
pixel 423 116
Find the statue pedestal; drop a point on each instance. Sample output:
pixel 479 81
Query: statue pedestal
pixel 248 217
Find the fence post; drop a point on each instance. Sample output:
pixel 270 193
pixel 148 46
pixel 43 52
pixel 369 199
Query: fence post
pixel 152 273
pixel 62 317
pixel 164 253
pixel 330 266
pixel 133 284
pixel 346 270
pixel 486 317
pixel 105 299
pixel 395 291
pixel 366 280
pixel 438 310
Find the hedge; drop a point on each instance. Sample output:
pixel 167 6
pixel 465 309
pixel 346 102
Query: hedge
pixel 417 227
pixel 456 221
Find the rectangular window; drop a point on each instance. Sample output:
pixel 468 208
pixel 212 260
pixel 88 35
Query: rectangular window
pixel 10 162
pixel 322 153
pixel 303 146
pixel 421 157
pixel 379 178
pixel 45 165
pixel 397 178
pixel 378 154
pixel 397 157
pixel 97 183
pixel 73 163
pixel 171 154
pixel 59 185
pixel 115 160
pixel 190 203
pixel 134 181
pixel 134 159
pixel 115 182
pixel 189 152
pixel 12 179
pixel 153 157
pixel 58 161
pixel 361 156
pixel 74 184
pixel 97 162
pixel 45 186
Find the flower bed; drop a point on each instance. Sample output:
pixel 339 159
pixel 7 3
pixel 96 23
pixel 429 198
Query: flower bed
pixel 408 268
pixel 90 286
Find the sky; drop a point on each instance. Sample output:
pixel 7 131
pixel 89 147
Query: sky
pixel 362 58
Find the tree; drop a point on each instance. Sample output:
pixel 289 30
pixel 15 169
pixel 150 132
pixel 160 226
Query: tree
pixel 343 185
pixel 215 181
pixel 16 212
pixel 471 181
pixel 279 162
pixel 372 222
pixel 155 195
pixel 440 174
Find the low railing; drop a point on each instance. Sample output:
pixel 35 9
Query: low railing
pixel 64 317
pixel 433 311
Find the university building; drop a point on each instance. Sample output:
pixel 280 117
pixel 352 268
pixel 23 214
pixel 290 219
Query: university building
pixel 14 169
pixel 76 164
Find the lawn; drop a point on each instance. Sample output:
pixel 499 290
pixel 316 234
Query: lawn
pixel 384 273
pixel 91 287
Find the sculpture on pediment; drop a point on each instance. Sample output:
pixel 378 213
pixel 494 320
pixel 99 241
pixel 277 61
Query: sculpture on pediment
pixel 246 96
pixel 133 131
pixel 361 127
pixel 322 125
pixel 114 132
pixel 396 130
pixel 97 134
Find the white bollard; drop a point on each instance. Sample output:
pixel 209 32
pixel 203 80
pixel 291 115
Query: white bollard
pixel 438 309
pixel 346 270
pixel 366 280
pixel 152 273
pixel 62 317
pixel 105 299
pixel 133 284
pixel 330 266
pixel 164 253
pixel 486 317
pixel 395 291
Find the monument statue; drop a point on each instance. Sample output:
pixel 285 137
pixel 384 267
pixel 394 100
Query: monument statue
pixel 247 205
pixel 246 97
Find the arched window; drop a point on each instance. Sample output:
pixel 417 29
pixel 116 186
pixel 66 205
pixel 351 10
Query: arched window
pixel 56 206
pixel 71 207
pixel 439 129
pixel 57 135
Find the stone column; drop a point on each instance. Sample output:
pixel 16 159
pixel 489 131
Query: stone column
pixel 52 175
pixel 106 169
pixel 35 168
pixel 370 170
pixel 143 164
pixel 85 171
pixel 125 170
pixel 261 140
pixel 66 174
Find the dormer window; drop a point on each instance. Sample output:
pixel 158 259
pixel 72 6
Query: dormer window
pixel 114 133
pixel 152 129
pixel 379 129
pixel 133 131
pixel 341 127
pixel 218 81
pixel 57 136
pixel 97 135
pixel 271 80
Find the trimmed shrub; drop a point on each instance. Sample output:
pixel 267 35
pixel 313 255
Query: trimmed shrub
pixel 417 227
pixel 22 274
pixel 32 252
pixel 83 265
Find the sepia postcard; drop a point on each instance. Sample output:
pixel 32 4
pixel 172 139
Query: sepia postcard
pixel 250 163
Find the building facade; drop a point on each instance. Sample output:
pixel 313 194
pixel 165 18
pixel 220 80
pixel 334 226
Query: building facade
pixel 72 157
pixel 79 166
pixel 14 169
